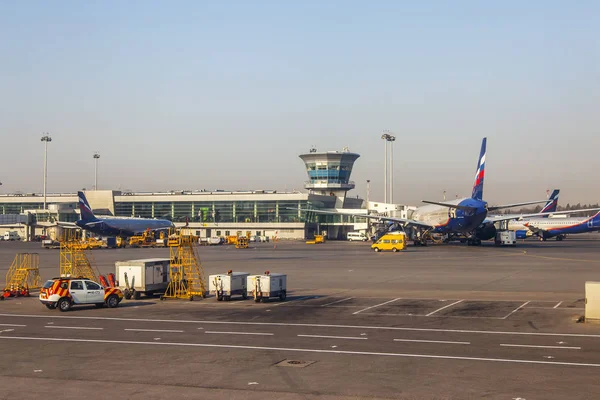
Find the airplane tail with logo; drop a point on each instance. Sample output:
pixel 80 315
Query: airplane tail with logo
pixel 86 211
pixel 552 203
pixel 480 174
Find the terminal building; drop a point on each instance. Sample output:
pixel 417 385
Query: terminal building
pixel 214 212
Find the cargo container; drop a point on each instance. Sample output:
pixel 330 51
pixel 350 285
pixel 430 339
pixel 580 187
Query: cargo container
pixel 111 242
pixel 506 238
pixel 225 285
pixel 268 285
pixel 147 276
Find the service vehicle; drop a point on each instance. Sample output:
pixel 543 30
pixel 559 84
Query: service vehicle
pixel 262 287
pixel 11 235
pixel 356 236
pixel 65 292
pixel 506 238
pixel 392 241
pixel 148 276
pixel 225 285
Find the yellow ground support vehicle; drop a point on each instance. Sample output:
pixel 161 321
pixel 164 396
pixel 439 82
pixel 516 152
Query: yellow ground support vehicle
pixel 318 239
pixel 242 242
pixel 92 244
pixel 146 240
pixel 231 240
pixel 391 241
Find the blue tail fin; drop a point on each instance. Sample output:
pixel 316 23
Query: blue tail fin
pixel 86 211
pixel 480 174
pixel 552 203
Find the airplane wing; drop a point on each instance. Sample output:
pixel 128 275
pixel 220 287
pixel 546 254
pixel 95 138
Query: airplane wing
pixel 516 217
pixel 449 205
pixel 402 221
pixel 493 208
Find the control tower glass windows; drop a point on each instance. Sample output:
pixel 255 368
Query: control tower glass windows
pixel 332 172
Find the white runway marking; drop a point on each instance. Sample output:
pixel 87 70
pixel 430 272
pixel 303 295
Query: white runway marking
pixel 363 353
pixel 517 309
pixel 14 325
pixel 73 327
pixel 153 330
pixel 286 324
pixel 540 347
pixel 241 333
pixel 283 303
pixel 430 341
pixel 333 337
pixel 440 309
pixel 558 305
pixel 338 301
pixel 376 305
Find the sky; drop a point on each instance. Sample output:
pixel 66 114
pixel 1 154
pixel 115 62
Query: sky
pixel 227 94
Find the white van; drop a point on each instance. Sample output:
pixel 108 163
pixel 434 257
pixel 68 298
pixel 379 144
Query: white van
pixel 360 236
pixel 11 235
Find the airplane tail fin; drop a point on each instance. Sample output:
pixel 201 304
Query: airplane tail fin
pixel 480 174
pixel 86 211
pixel 552 203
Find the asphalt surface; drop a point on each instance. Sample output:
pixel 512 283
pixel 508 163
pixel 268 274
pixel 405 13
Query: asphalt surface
pixel 441 322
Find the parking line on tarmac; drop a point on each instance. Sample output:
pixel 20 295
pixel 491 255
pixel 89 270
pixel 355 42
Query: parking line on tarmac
pixel 440 309
pixel 540 347
pixel 333 337
pixel 241 333
pixel 73 327
pixel 430 341
pixel 517 309
pixel 283 303
pixel 558 305
pixel 377 305
pixel 14 325
pixel 153 330
pixel 288 324
pixel 323 351
pixel 335 302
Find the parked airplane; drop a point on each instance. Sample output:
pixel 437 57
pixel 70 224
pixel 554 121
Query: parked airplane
pixel 116 226
pixel 464 218
pixel 559 228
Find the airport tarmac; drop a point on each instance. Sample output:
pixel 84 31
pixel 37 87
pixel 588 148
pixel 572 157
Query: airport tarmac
pixel 437 322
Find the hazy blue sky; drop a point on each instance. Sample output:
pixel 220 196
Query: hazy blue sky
pixel 226 94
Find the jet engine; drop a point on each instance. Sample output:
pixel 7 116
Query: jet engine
pixel 485 231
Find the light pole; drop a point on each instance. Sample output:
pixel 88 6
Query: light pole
pixel 46 139
pixel 96 157
pixel 388 139
pixel 385 137
pixel 368 191
pixel 392 139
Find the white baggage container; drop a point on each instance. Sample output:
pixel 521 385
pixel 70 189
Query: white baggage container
pixel 225 285
pixel 506 238
pixel 148 276
pixel 262 287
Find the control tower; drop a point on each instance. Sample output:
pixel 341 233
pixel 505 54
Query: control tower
pixel 329 173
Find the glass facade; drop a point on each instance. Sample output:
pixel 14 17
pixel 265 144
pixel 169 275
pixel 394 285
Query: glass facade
pixel 17 208
pixel 217 211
